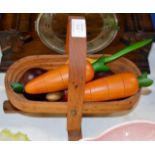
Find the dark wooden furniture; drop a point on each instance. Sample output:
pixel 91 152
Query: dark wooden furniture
pixel 19 39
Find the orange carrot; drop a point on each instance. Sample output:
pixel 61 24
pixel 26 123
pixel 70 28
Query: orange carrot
pixel 54 80
pixel 115 87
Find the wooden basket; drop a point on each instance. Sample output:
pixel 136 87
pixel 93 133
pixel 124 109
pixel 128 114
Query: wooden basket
pixel 75 108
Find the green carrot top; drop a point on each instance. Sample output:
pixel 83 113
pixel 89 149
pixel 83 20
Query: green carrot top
pixel 99 64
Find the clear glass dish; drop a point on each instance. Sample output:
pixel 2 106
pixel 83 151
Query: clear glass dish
pixel 102 28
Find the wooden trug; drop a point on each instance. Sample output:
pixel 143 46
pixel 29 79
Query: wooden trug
pixel 75 108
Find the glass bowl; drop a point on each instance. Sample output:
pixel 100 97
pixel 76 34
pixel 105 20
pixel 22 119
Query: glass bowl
pixel 102 29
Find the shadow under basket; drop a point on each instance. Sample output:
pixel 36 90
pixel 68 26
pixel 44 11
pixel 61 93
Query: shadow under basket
pixel 47 62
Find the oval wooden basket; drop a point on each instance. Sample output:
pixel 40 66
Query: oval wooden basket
pixel 15 72
pixel 75 108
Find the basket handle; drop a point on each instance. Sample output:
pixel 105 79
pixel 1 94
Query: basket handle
pixel 76 47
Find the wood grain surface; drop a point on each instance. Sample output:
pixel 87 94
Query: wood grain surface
pixel 76 47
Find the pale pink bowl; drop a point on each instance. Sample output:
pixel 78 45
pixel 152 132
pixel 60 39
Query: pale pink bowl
pixel 130 131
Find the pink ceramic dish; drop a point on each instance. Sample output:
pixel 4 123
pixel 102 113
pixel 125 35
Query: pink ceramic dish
pixel 130 131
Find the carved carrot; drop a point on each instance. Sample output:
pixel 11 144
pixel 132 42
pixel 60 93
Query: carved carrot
pixel 115 87
pixel 54 80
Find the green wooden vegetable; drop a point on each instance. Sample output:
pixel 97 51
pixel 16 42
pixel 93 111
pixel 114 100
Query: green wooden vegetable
pixel 17 87
pixel 99 64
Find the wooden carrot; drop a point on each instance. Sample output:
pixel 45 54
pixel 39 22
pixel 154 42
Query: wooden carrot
pixel 57 80
pixel 54 80
pixel 115 87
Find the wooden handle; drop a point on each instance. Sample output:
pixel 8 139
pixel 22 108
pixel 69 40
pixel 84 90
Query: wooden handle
pixel 76 47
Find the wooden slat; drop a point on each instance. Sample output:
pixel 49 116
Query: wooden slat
pixel 76 47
